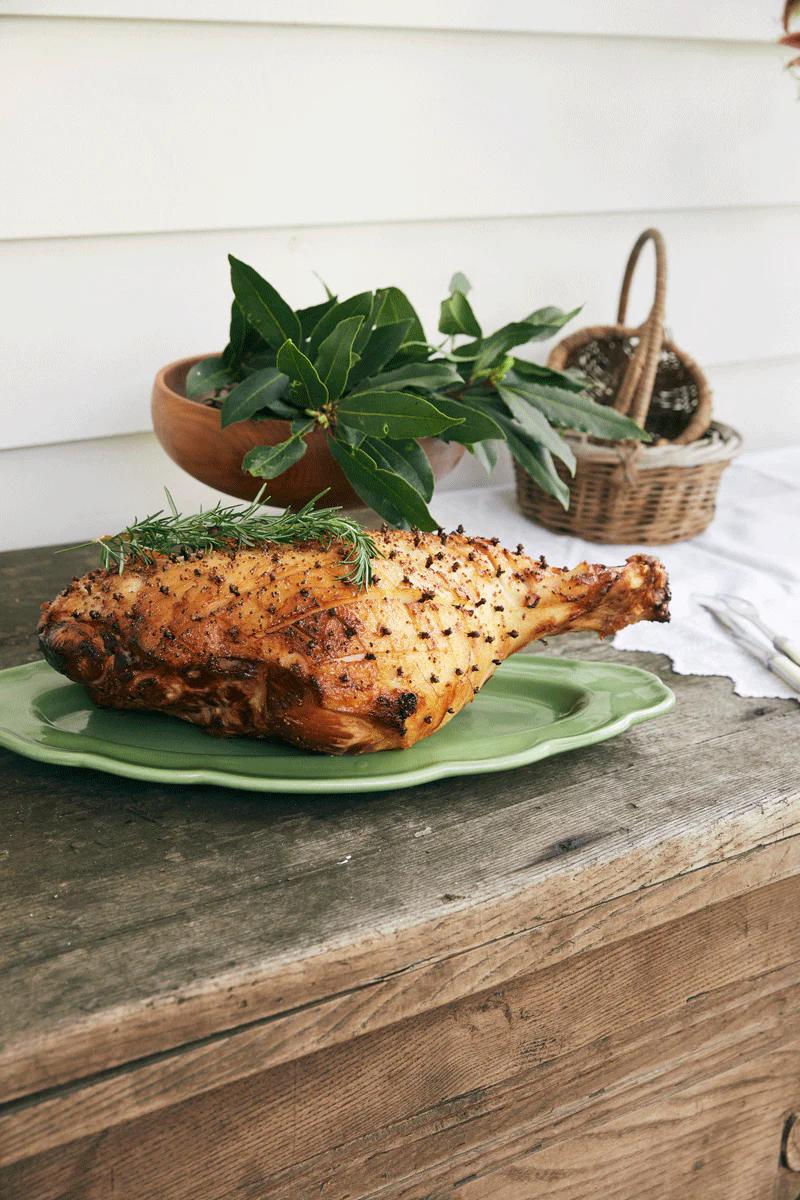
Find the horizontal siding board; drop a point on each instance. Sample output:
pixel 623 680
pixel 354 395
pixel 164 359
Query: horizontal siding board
pixel 729 20
pixel 78 490
pixel 124 126
pixel 93 319
pixel 107 481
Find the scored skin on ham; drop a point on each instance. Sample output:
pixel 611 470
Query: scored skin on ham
pixel 270 642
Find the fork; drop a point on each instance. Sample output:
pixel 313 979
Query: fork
pixel 781 665
pixel 744 608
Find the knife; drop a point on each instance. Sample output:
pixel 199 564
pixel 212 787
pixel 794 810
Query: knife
pixel 779 664
pixel 746 609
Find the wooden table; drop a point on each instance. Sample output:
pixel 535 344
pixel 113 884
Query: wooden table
pixel 580 979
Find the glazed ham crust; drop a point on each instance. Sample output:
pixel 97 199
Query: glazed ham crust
pixel 269 642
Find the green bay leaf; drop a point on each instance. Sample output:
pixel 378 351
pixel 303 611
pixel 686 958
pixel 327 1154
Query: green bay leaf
pixel 359 305
pixel 266 462
pixel 263 389
pixel 405 458
pixel 392 414
pixel 300 369
pixel 536 460
pixel 529 418
pixel 431 376
pixel 475 426
pixel 208 376
pixel 396 306
pixel 335 355
pixel 569 410
pixel 388 493
pixel 383 344
pixel 263 306
pixel 456 316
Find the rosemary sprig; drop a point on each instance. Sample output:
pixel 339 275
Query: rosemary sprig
pixel 235 526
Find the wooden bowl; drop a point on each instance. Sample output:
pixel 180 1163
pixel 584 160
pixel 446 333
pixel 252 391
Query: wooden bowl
pixel 191 435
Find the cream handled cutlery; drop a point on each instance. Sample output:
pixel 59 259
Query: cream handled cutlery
pixel 744 608
pixel 729 610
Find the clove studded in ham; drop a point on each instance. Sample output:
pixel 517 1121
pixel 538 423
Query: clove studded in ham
pixel 270 642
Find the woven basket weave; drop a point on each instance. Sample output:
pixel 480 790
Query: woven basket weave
pixel 625 491
pixel 633 493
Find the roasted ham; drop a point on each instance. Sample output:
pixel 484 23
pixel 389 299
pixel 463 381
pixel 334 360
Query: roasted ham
pixel 270 642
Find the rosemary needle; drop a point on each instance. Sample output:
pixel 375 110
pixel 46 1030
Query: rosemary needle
pixel 238 526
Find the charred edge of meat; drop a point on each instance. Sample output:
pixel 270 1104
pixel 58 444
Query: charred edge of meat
pixel 49 649
pixel 72 652
pixel 662 593
pixel 661 606
pixel 661 600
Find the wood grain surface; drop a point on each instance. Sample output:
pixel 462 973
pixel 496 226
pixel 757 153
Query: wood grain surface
pixel 577 979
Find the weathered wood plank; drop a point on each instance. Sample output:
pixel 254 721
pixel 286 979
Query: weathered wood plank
pixel 118 1096
pixel 300 935
pixel 716 1140
pixel 601 1041
pixel 617 1077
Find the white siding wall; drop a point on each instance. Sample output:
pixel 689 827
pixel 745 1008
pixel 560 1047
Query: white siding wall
pixel 524 143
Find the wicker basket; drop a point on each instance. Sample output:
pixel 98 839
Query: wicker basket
pixel 632 493
pixel 624 491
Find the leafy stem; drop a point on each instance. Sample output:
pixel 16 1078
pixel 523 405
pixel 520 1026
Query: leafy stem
pixel 230 526
pixel 363 370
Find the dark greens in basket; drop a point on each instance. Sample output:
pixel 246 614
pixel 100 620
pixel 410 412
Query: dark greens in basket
pixel 363 370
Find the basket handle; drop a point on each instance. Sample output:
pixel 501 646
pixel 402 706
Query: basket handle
pixel 636 392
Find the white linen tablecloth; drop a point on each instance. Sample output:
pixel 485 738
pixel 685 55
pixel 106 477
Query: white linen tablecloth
pixel 751 548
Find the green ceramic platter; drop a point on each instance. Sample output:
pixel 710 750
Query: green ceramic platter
pixel 532 708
